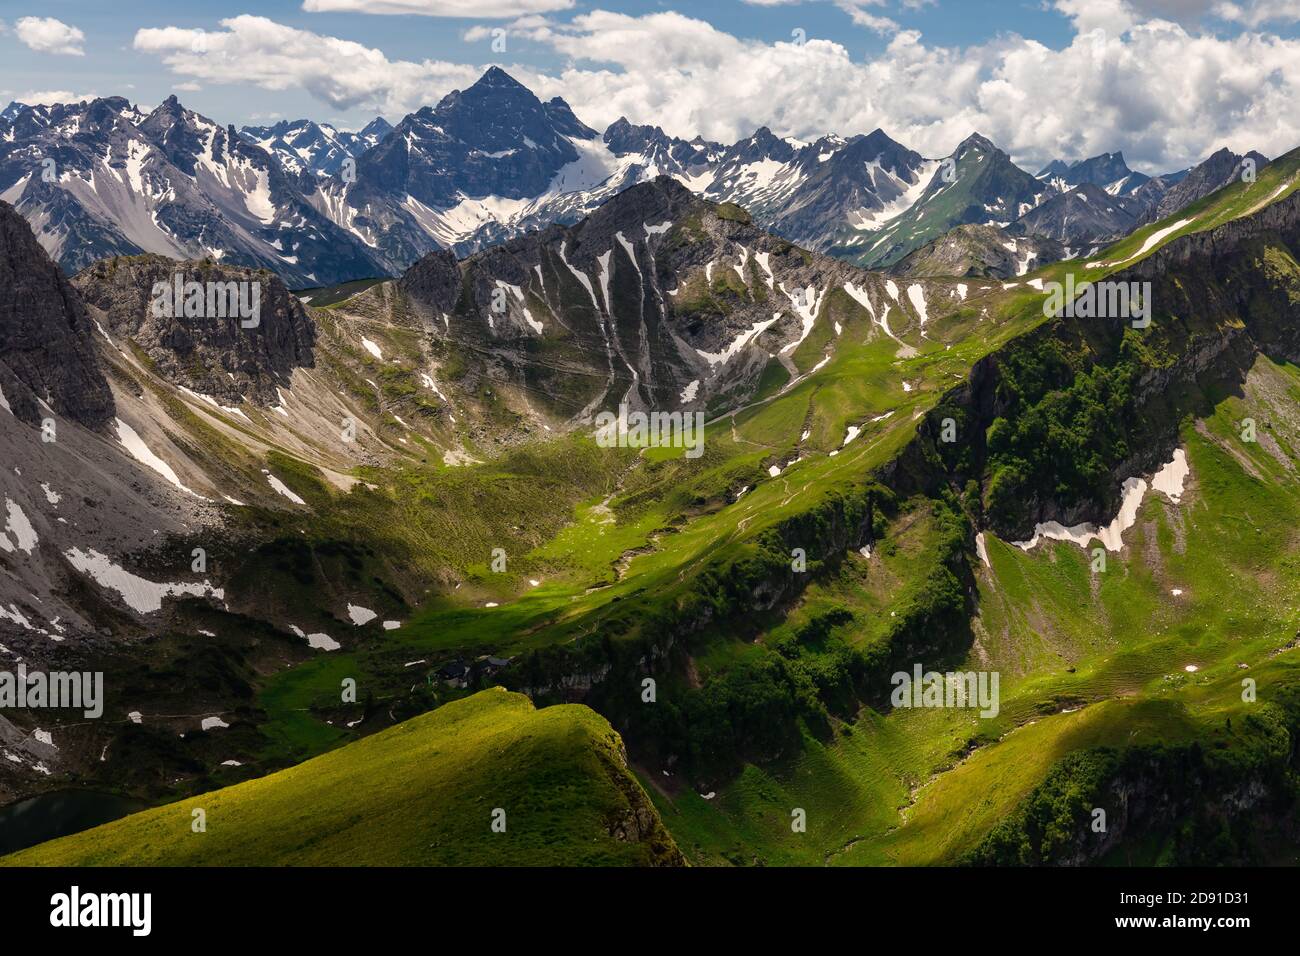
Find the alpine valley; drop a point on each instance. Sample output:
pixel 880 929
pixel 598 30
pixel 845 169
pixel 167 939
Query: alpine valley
pixel 368 553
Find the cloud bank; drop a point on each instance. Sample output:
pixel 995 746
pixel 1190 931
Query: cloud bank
pixel 1164 92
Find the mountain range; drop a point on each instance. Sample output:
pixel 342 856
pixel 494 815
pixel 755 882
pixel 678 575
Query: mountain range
pixel 493 161
pixel 317 149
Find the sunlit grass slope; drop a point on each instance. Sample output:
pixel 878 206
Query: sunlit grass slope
pixel 421 793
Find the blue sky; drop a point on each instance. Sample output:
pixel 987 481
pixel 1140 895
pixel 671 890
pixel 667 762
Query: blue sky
pixel 1164 80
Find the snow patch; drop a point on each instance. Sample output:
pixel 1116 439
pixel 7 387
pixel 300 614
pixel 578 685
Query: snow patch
pixel 141 452
pixel 917 296
pixel 141 595
pixel 1170 477
pixel 360 615
pixel 282 488
pixel 24 536
pixel 1152 241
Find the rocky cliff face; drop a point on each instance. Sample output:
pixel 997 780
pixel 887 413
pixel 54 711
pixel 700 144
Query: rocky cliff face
pixel 1223 809
pixel 228 357
pixel 46 357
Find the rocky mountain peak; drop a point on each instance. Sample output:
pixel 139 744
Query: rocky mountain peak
pixel 375 130
pixel 763 144
pixel 1107 170
pixel 494 139
pixel 566 121
pixel 1220 169
pixel 495 78
pixel 975 141
pixel 877 147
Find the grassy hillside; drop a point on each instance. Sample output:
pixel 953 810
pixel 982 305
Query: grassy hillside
pixel 420 793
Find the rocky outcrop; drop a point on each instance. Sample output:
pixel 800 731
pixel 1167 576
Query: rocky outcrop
pixel 433 282
pixel 638 821
pixel 46 354
pixel 231 356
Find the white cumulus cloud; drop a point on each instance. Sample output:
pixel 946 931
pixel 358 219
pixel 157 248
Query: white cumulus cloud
pixel 1256 13
pixel 270 55
pixel 1165 93
pixel 48 35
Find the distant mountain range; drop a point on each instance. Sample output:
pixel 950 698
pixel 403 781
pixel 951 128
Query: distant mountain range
pixel 1109 171
pixel 100 178
pixel 319 149
pixel 320 206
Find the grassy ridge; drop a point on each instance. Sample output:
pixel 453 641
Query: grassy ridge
pixel 420 793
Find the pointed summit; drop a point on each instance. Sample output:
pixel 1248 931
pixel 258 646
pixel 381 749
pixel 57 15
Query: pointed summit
pixel 763 144
pixel 496 78
pixel 975 141
pixel 376 129
pixel 494 139
pixel 562 115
